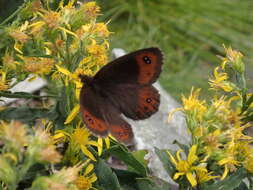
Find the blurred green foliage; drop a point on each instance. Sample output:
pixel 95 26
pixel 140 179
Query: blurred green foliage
pixel 8 7
pixel 190 32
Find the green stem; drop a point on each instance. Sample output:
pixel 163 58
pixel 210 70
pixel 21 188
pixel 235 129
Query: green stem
pixel 12 186
pixel 12 15
pixel 250 183
pixel 25 167
pixel 243 82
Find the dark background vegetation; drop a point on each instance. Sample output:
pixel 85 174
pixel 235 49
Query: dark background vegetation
pixel 190 33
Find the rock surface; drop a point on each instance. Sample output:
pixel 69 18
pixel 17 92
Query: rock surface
pixel 25 86
pixel 156 131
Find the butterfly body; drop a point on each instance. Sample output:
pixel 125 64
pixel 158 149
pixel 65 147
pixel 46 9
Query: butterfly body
pixel 123 86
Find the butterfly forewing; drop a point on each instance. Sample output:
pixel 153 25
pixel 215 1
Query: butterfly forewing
pixel 149 62
pixel 141 67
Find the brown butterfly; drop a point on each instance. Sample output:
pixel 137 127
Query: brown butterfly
pixel 122 86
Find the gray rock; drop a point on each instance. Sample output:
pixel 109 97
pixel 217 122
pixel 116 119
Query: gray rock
pixel 156 131
pixel 24 86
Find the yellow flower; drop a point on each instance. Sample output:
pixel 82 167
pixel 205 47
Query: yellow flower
pixel 223 111
pixel 100 144
pixel 212 142
pixel 96 50
pixel 9 62
pixel 49 154
pixel 4 84
pixel 20 36
pixel 248 163
pixel 79 139
pixel 36 6
pixel 7 170
pixel 229 160
pixel 187 167
pixel 193 102
pixel 244 149
pixel 38 65
pixel 36 28
pixel 199 131
pixel 13 133
pixel 234 59
pixel 204 176
pixel 59 179
pixel 84 182
pixel 101 29
pixel 73 77
pixel 91 10
pixel 193 105
pixel 220 108
pixel 52 19
pixel 220 81
pixel 236 133
pixel 72 114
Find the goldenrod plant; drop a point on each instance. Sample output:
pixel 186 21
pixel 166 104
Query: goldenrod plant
pixel 220 153
pixel 45 145
pixel 50 147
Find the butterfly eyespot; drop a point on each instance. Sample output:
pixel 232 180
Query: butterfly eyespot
pixel 148 100
pixel 147 60
pixel 90 120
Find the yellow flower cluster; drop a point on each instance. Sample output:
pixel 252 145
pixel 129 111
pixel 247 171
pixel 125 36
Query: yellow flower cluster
pixel 67 37
pixel 217 128
pixel 59 43
pixel 195 174
pixel 37 65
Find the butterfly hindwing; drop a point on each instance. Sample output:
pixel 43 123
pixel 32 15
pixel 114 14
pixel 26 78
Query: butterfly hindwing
pixel 148 101
pixel 135 101
pixel 91 112
pixel 122 131
pixel 101 117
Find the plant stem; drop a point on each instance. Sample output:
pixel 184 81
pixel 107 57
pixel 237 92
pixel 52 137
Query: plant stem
pixel 250 183
pixel 12 15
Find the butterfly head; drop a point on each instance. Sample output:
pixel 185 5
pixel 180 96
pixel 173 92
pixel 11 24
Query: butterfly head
pixel 86 79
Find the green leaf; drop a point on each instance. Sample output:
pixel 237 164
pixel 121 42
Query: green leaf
pixel 246 103
pixel 164 158
pixel 26 114
pixel 229 183
pixel 184 147
pixel 152 184
pixel 127 179
pixel 139 155
pixel 242 186
pixel 106 177
pixel 122 153
pixel 9 94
